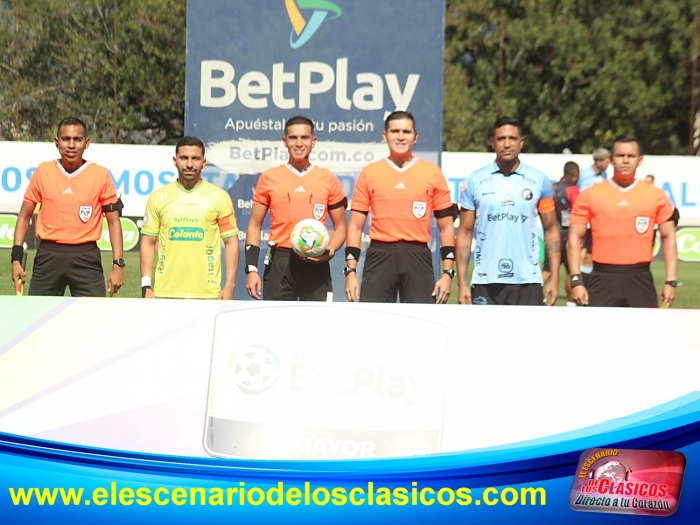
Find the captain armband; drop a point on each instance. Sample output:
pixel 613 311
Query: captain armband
pixel 447 253
pixel 117 206
pixel 447 212
pixel 352 254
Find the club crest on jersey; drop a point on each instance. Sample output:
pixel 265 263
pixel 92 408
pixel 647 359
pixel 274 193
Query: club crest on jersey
pixel 527 194
pixel 642 224
pixel 319 210
pixel 419 209
pixel 85 212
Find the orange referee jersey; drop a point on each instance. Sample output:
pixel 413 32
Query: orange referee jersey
pixel 401 200
pixel 71 203
pixel 622 220
pixel 292 196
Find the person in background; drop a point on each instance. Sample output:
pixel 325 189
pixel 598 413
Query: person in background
pixel 597 172
pixel 565 193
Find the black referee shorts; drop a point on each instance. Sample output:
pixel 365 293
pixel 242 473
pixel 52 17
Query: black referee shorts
pixel 288 278
pixel 403 268
pixel 629 285
pixel 529 294
pixel 77 266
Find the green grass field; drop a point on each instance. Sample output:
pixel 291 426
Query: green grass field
pixel 132 274
pixel 688 295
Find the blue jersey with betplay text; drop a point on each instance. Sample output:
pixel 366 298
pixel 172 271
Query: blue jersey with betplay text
pixel 507 247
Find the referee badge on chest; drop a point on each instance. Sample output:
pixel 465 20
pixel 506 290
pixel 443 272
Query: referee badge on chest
pixel 85 212
pixel 419 209
pixel 319 210
pixel 642 224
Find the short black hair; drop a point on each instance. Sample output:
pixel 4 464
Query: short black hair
pixel 299 120
pixel 189 141
pixel 70 121
pixel 507 121
pixel 626 138
pixel 570 168
pixel 399 115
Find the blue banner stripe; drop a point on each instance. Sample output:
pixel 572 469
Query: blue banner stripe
pixel 519 464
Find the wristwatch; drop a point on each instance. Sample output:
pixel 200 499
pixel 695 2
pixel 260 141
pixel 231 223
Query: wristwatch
pixel 672 284
pixel 451 272
pixel 347 271
pixel 250 268
pixel 119 262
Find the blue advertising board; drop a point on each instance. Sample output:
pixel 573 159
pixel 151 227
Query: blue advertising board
pixel 344 64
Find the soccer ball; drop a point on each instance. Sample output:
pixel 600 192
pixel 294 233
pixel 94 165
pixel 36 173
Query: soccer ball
pixel 309 238
pixel 254 370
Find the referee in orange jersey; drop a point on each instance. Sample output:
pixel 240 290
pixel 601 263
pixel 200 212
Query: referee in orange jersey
pixel 402 192
pixel 73 193
pixel 622 213
pixel 291 192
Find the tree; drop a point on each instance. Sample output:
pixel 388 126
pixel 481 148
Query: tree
pixel 577 72
pixel 67 68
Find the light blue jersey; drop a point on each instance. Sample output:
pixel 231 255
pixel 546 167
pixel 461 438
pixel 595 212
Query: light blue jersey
pixel 507 248
pixel 587 177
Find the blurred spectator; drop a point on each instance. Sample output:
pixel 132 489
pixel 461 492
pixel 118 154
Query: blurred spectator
pixel 597 172
pixel 565 193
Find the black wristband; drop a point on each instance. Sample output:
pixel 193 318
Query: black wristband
pixel 143 291
pixel 352 253
pixel 576 280
pixel 252 254
pixel 17 253
pixel 447 253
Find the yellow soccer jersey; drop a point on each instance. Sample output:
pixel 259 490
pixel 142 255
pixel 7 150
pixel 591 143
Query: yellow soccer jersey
pixel 189 226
